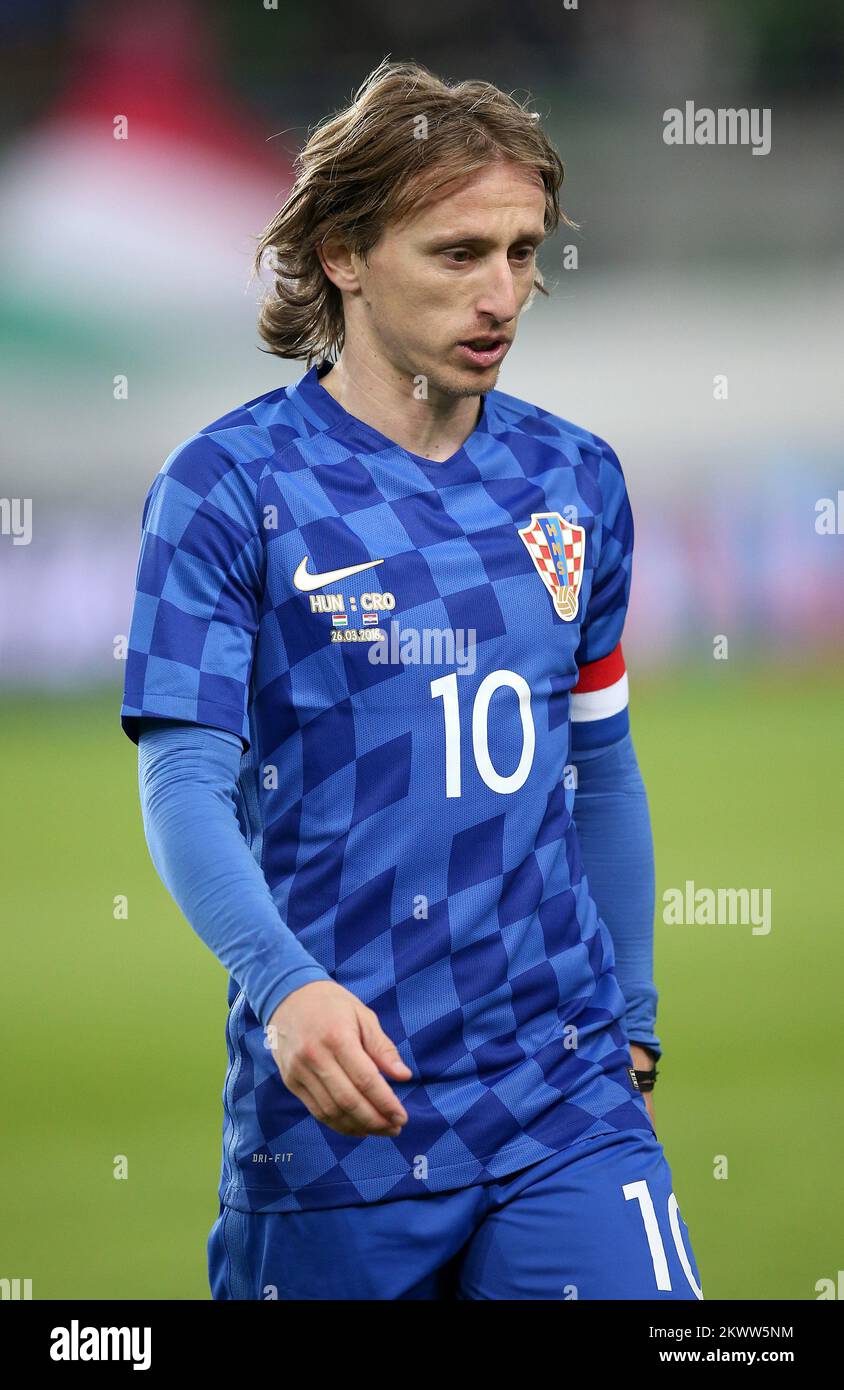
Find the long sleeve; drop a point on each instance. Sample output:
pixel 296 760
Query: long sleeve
pixel 187 775
pixel 613 826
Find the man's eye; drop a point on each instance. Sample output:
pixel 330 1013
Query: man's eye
pixel 461 255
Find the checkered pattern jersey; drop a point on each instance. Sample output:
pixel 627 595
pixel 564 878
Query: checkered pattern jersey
pixel 412 817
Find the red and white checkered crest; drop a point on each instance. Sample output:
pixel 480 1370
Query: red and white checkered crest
pixel 557 548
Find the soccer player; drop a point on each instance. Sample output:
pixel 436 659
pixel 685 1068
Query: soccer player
pixel 376 680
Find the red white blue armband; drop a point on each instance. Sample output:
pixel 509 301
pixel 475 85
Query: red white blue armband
pixel 599 713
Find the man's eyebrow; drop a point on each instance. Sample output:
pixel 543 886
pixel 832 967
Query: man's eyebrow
pixel 473 238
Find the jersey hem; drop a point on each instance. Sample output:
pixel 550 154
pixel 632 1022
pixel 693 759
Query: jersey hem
pixel 520 1155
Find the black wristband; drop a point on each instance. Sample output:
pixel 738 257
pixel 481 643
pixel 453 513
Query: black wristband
pixel 646 1080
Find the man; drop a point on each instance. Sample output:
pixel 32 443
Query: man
pixel 376 642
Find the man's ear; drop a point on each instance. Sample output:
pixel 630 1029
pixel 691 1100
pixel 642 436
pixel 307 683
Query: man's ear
pixel 339 263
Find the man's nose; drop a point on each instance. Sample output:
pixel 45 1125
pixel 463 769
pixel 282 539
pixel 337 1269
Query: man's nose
pixel 498 298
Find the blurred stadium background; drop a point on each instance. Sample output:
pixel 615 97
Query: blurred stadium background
pixel 131 258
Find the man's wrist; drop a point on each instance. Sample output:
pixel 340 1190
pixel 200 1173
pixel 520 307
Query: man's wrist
pixel 644 1067
pixel 294 979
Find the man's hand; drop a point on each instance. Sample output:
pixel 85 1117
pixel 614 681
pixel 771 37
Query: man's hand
pixel 644 1061
pixel 330 1050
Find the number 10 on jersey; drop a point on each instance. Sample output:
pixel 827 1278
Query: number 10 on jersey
pixel 445 688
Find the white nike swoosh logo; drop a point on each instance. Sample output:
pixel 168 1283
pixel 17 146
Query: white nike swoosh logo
pixel 306 582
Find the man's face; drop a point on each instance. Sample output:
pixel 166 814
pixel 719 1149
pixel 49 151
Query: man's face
pixel 461 268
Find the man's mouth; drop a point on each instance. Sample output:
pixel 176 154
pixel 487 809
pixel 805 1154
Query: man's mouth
pixel 483 351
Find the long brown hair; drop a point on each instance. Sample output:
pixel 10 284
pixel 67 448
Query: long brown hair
pixel 405 135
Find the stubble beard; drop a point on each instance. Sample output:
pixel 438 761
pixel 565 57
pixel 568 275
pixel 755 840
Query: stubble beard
pixel 458 385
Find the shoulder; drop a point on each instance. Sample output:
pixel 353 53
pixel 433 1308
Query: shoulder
pixel 221 465
pixel 578 446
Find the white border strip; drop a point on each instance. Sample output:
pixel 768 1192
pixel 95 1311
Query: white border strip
pixel 600 704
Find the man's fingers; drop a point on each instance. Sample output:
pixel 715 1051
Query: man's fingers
pixel 319 1101
pixel 364 1075
pixel 343 1105
pixel 331 1056
pixel 322 1107
pixel 313 1094
pixel 381 1049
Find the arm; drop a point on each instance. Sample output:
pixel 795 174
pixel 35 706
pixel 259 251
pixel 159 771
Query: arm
pixel 327 1044
pixel 611 810
pixel 189 669
pixel 614 830
pixel 187 775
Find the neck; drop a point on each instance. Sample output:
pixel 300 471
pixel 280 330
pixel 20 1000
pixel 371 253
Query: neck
pixel 388 400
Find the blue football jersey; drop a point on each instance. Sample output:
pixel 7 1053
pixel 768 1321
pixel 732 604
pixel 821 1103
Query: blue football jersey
pixel 405 647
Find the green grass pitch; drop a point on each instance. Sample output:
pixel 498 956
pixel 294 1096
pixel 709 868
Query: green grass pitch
pixel 114 1028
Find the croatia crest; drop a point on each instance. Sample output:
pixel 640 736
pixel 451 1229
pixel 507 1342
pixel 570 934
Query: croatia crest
pixel 556 548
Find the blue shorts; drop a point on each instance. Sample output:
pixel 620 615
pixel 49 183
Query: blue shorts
pixel 598 1220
